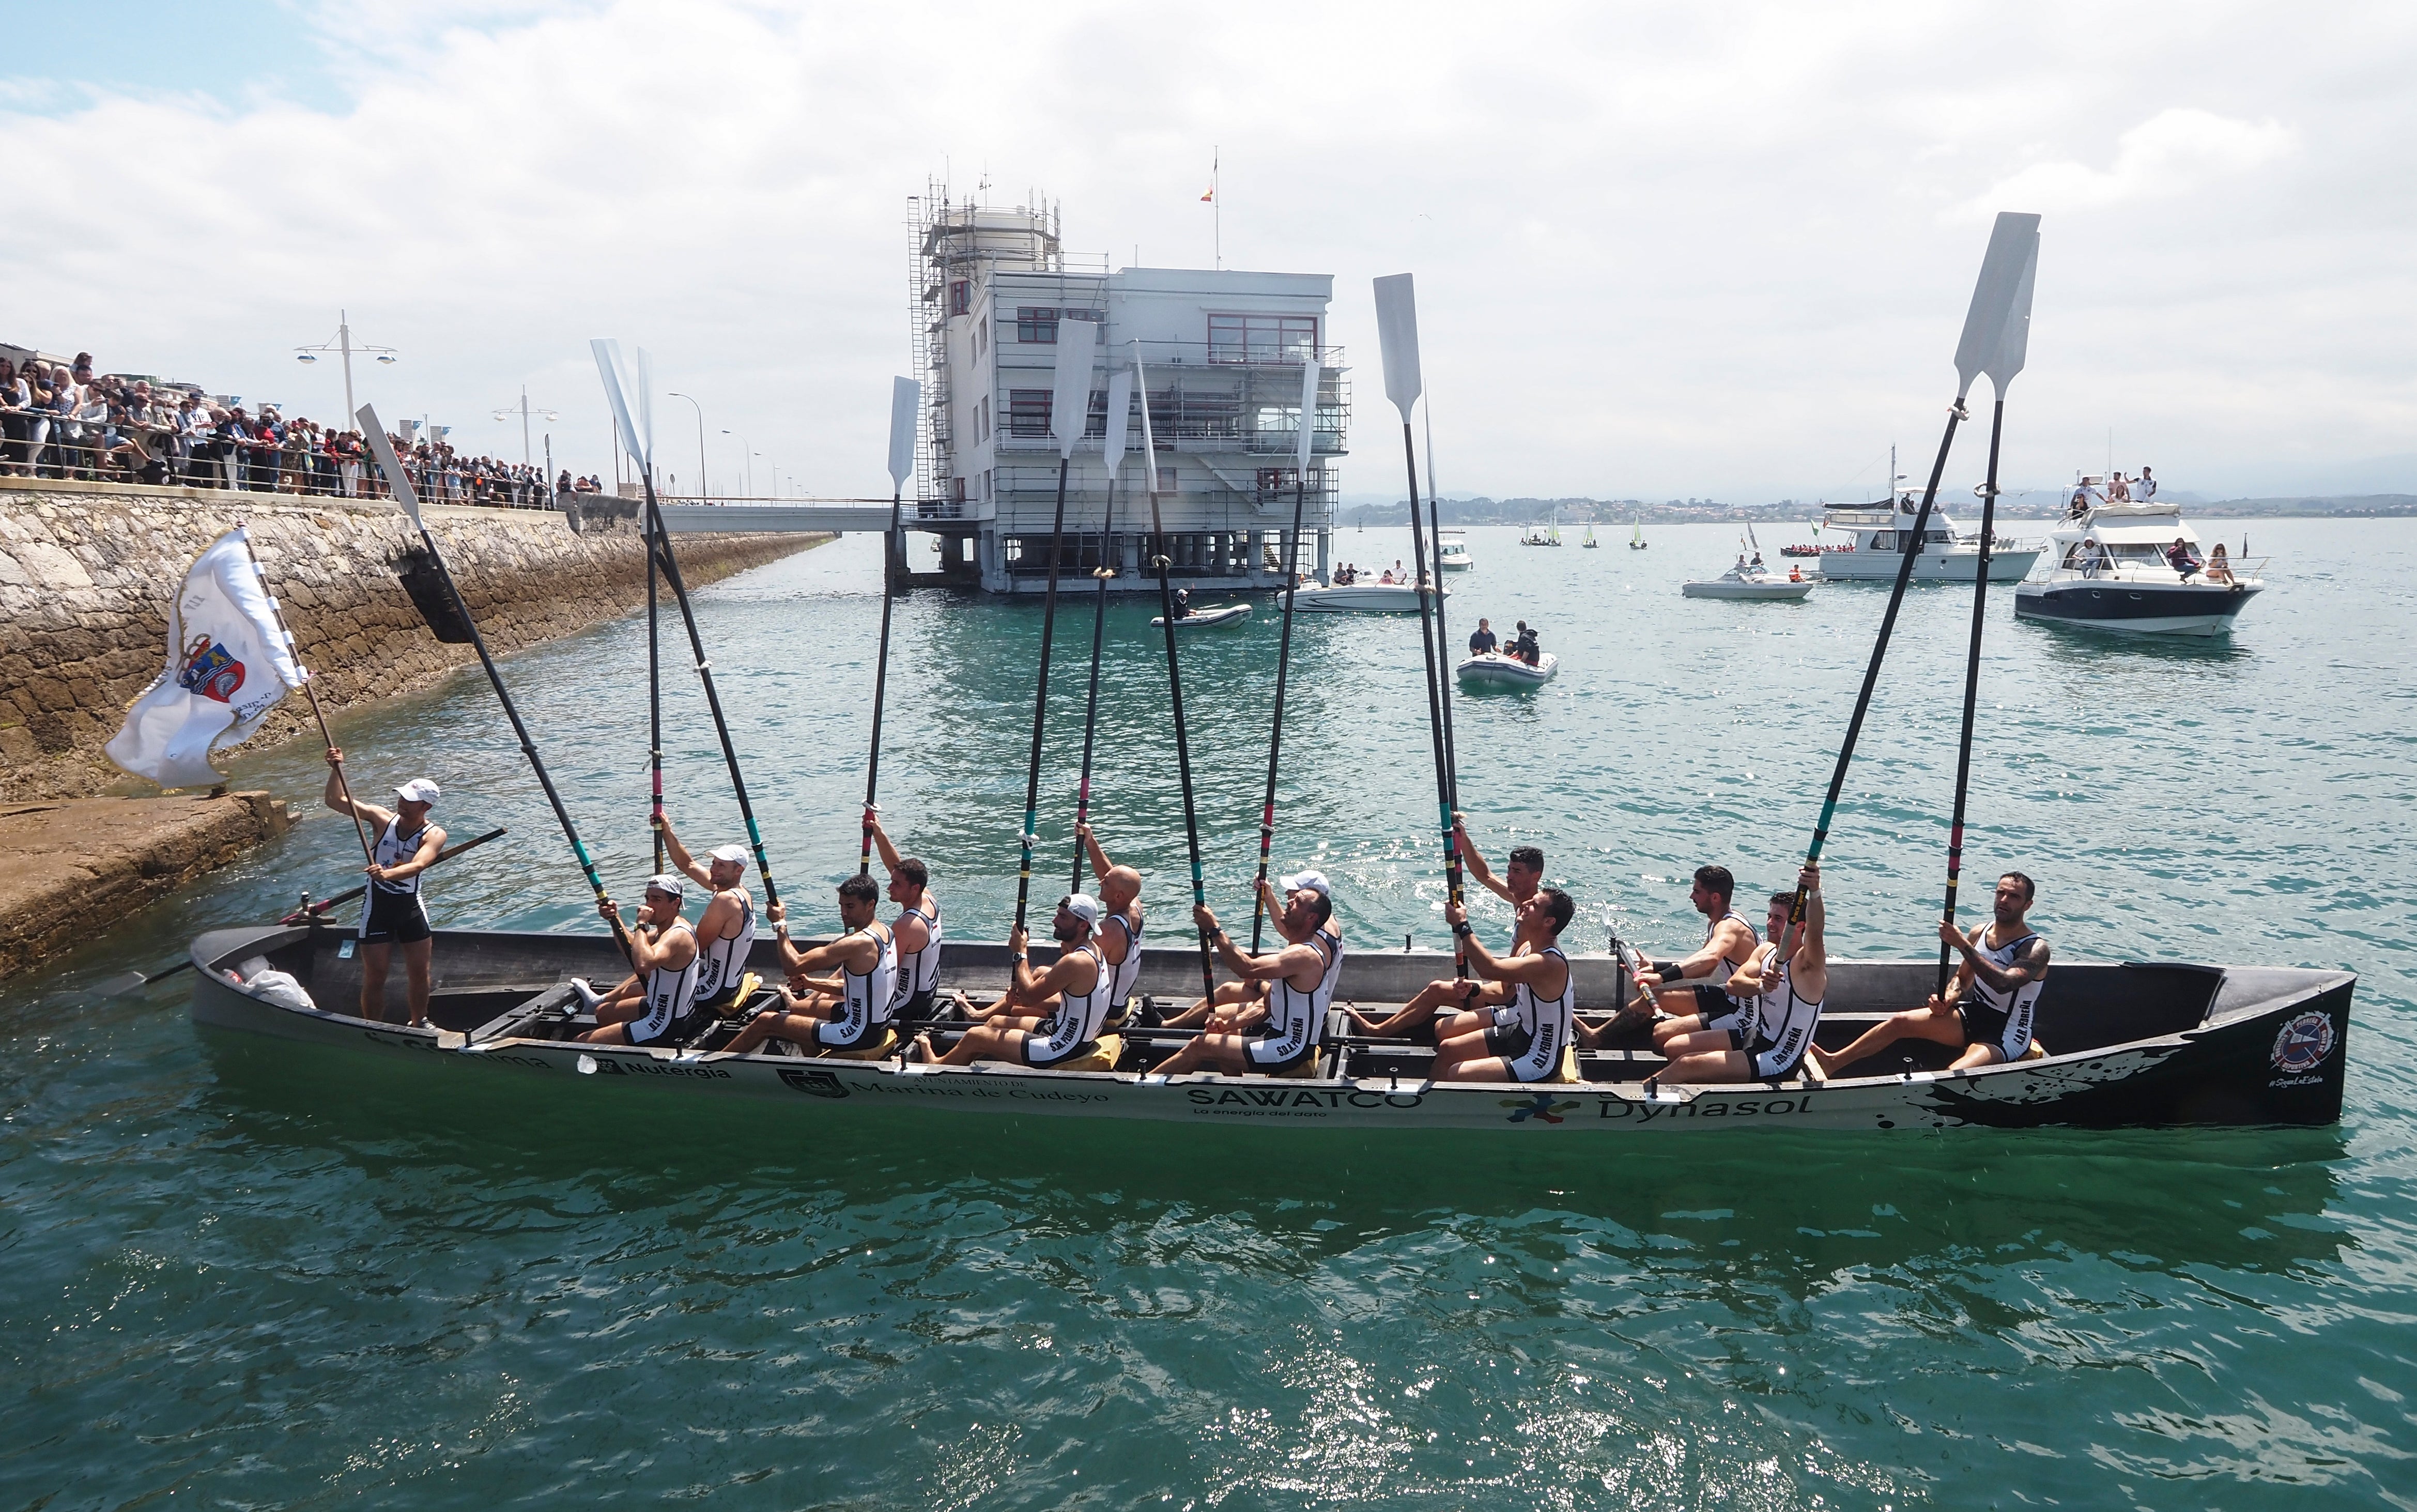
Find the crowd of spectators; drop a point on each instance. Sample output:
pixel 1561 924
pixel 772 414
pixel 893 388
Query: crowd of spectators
pixel 64 421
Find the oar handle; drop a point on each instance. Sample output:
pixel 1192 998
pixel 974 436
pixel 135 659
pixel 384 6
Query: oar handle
pixel 300 915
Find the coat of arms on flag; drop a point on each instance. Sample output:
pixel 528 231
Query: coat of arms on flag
pixel 229 661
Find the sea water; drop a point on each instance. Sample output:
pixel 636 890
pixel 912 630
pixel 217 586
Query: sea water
pixel 241 1273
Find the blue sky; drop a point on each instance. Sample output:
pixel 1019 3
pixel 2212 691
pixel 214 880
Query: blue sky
pixel 234 52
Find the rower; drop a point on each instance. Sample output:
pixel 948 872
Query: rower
pixel 1787 994
pixel 1531 1048
pixel 1987 1010
pixel 1046 1018
pixel 1469 995
pixel 1120 929
pixel 725 930
pixel 394 912
pixel 1233 1007
pixel 663 954
pixel 917 927
pixel 1729 942
pixel 866 954
pixel 1299 979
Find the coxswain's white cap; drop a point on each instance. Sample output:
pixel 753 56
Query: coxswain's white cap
pixel 734 855
pixel 1083 906
pixel 666 882
pixel 418 790
pixel 1314 880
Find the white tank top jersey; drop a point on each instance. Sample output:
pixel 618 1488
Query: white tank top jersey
pixel 669 993
pixel 1079 1016
pixel 392 850
pixel 1297 1020
pixel 2018 1006
pixel 723 961
pixel 1784 1021
pixel 1128 971
pixel 1548 1022
pixel 1729 967
pixel 919 972
pixel 870 998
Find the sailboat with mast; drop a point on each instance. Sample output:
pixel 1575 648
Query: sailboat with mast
pixel 1637 533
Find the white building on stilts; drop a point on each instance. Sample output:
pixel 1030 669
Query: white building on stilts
pixel 1220 357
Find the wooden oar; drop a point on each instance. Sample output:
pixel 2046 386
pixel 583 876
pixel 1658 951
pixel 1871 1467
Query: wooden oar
pixel 2004 361
pixel 1985 327
pixel 1397 332
pixel 1113 453
pixel 905 400
pixel 1174 681
pixel 1069 407
pixel 315 909
pixel 639 446
pixel 1311 374
pixel 400 481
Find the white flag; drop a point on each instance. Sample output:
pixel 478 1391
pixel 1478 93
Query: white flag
pixel 228 664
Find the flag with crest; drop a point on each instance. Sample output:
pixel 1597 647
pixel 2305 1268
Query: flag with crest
pixel 228 664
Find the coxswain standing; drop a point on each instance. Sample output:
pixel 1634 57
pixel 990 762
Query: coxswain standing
pixel 392 911
pixel 1299 979
pixel 1771 1044
pixel 865 1004
pixel 917 927
pixel 1987 1011
pixel 1530 1048
pixel 1046 1018
pixel 663 954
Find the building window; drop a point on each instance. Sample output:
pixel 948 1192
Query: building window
pixel 981 340
pixel 961 297
pixel 1165 479
pixel 981 420
pixel 1262 338
pixel 959 489
pixel 1036 322
pixel 1028 410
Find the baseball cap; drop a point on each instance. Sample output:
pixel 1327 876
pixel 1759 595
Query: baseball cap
pixel 733 854
pixel 667 882
pixel 418 790
pixel 1314 880
pixel 1083 906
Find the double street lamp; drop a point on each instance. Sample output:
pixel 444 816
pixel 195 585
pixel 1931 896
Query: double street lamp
pixel 345 345
pixel 524 411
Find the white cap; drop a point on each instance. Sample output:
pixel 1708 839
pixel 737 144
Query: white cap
pixel 1314 880
pixel 418 790
pixel 667 882
pixel 737 854
pixel 1083 906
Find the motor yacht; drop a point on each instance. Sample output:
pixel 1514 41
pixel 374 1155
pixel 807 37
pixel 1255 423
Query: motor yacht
pixel 2107 569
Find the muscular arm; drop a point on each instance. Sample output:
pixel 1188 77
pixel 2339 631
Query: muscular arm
pixel 1728 935
pixel 681 861
pixel 1525 969
pixel 1101 864
pixel 432 842
pixel 889 852
pixel 369 813
pixel 1478 870
pixel 2027 968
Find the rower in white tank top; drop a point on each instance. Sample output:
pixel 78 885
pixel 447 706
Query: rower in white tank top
pixel 667 992
pixel 723 962
pixel 1549 1022
pixel 867 1002
pixel 1077 1021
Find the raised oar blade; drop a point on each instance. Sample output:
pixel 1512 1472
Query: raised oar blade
pixel 1310 374
pixel 1397 334
pixel 906 401
pixel 646 392
pixel 1148 441
pixel 608 367
pixel 1070 402
pixel 2014 242
pixel 2015 347
pixel 388 464
pixel 1112 450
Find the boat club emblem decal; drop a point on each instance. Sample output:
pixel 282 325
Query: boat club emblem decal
pixel 209 671
pixel 1539 1106
pixel 815 1083
pixel 2303 1043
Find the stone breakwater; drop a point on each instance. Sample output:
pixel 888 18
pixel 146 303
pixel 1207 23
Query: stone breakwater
pixel 86 574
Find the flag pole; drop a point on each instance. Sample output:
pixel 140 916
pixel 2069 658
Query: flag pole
pixel 294 651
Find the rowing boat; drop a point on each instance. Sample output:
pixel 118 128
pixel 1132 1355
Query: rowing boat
pixel 2134 1045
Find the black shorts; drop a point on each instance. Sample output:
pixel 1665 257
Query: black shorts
pixel 1508 1041
pixel 920 1008
pixel 395 919
pixel 1711 1003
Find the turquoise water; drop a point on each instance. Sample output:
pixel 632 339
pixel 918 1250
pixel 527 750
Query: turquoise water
pixel 241 1274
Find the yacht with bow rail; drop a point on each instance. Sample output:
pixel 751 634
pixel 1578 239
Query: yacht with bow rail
pixel 2111 565
pixel 1871 537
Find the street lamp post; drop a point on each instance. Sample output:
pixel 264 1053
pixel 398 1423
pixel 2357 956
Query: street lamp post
pixel 343 345
pixel 702 491
pixel 747 461
pixel 524 411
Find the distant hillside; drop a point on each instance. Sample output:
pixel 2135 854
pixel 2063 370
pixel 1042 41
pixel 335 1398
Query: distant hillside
pixel 2022 504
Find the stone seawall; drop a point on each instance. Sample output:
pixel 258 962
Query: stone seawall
pixel 86 574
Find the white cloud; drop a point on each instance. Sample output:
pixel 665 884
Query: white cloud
pixel 1659 252
pixel 2171 153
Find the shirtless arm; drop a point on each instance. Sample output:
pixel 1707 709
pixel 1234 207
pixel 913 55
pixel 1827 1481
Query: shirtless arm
pixel 1726 936
pixel 432 842
pixel 1475 862
pixel 681 861
pixel 2027 968
pixel 368 813
pixel 1524 969
pixel 1101 864
pixel 1285 962
pixel 881 842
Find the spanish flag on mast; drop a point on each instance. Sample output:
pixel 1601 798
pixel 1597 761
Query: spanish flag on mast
pixel 1210 197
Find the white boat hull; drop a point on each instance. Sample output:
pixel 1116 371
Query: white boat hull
pixel 1777 591
pixel 1361 598
pixel 1207 619
pixel 1495 670
pixel 1929 567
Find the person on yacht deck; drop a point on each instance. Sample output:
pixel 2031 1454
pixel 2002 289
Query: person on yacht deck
pixel 2144 487
pixel 2179 557
pixel 2219 565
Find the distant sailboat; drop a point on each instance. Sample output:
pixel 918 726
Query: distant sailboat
pixel 1590 543
pixel 1636 534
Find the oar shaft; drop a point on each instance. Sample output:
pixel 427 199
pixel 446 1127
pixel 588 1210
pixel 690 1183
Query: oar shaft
pixel 1912 549
pixel 1971 682
pixel 350 893
pixel 655 693
pixel 1182 743
pixel 891 549
pixel 1443 634
pixel 1434 707
pixel 1091 700
pixel 1275 725
pixel 712 698
pixel 1040 701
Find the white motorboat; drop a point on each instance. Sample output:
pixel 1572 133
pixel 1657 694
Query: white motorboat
pixel 1493 669
pixel 1452 550
pixel 1864 542
pixel 1363 598
pixel 1206 619
pixel 1750 581
pixel 2107 570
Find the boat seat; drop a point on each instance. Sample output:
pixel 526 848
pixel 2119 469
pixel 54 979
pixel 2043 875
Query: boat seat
pixel 1568 1071
pixel 881 1049
pixel 2037 1053
pixel 1099 1054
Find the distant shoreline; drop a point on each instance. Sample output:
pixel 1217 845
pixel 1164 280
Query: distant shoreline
pixel 1579 513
